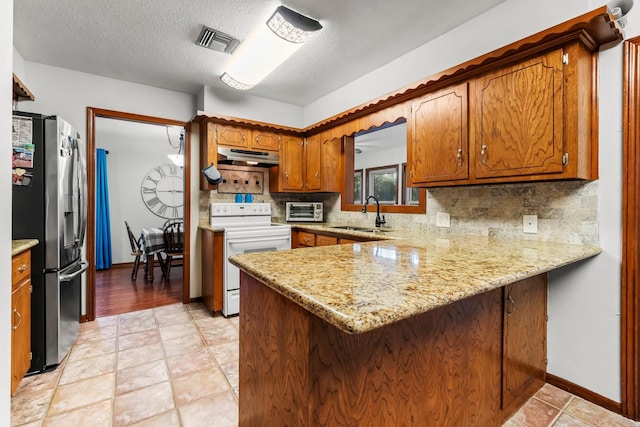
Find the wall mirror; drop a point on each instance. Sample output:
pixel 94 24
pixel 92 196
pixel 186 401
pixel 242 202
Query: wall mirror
pixel 375 162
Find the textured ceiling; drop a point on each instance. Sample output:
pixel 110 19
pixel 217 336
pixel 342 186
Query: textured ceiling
pixel 152 41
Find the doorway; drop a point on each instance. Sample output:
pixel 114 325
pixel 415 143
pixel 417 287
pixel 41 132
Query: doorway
pixel 127 293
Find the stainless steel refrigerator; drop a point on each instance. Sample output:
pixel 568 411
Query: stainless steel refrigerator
pixel 49 204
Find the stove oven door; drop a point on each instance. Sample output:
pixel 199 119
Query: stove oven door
pixel 244 241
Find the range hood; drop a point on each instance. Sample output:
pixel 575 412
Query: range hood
pixel 237 156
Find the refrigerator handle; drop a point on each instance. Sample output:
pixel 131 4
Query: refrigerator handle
pixel 68 277
pixel 82 193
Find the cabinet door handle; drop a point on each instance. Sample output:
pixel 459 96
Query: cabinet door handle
pixel 483 153
pixel 513 306
pixel 459 156
pixel 317 174
pixel 286 176
pixel 15 311
pixel 23 268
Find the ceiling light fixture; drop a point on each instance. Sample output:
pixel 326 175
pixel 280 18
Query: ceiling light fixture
pixel 268 46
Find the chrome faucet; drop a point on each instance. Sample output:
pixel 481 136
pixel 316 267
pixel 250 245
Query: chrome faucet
pixel 379 220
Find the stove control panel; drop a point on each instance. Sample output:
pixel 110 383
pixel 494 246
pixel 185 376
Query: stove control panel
pixel 240 209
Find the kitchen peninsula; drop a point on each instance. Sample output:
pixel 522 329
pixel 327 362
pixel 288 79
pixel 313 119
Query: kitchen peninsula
pixel 411 330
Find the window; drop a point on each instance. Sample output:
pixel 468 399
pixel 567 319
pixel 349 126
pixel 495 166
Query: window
pixel 357 186
pixel 410 195
pixel 382 182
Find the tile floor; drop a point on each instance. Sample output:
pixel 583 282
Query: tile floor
pixel 178 366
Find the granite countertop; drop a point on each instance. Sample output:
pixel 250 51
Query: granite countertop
pixel 205 226
pixel 19 246
pixel 363 286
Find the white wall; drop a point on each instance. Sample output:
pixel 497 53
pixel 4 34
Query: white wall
pixel 134 148
pixel 584 300
pixel 68 93
pixel 6 90
pixel 240 104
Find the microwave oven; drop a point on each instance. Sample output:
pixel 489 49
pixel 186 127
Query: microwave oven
pixel 304 212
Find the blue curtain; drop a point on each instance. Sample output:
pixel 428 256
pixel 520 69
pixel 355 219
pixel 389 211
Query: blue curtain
pixel 103 220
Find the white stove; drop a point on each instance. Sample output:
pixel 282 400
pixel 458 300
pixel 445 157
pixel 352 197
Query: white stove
pixel 247 229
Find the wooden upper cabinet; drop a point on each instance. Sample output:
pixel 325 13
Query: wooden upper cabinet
pixel 331 168
pixel 437 142
pixel 310 165
pixel 291 168
pixel 265 141
pixel 232 136
pixel 313 163
pixel 519 119
pixel 250 139
pixel 534 120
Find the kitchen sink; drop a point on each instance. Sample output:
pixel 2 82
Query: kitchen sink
pixel 360 229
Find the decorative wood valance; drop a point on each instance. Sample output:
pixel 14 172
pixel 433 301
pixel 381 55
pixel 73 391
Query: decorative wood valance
pixel 21 91
pixel 595 30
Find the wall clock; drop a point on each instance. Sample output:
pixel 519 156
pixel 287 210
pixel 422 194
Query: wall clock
pixel 162 191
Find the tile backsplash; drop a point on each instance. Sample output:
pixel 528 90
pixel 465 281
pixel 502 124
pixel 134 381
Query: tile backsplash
pixel 567 210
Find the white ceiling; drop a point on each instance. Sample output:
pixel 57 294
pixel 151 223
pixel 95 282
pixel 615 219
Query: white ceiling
pixel 153 41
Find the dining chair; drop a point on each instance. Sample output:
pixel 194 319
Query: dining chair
pixel 136 251
pixel 173 235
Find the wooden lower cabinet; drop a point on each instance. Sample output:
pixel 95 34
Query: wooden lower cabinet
pixel 302 239
pixel 308 239
pixel 524 347
pixel 20 317
pixel 322 240
pixel 212 262
pixel 442 368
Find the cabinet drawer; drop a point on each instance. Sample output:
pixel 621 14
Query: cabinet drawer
pixel 326 240
pixel 20 267
pixel 343 241
pixel 306 239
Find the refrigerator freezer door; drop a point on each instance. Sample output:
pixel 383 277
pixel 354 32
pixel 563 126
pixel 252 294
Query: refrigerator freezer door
pixel 62 311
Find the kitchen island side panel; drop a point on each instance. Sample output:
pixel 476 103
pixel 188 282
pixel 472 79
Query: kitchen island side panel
pixel 274 349
pixel 440 368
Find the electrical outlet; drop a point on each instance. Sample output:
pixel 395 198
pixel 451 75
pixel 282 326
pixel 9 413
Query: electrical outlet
pixel 530 224
pixel 443 219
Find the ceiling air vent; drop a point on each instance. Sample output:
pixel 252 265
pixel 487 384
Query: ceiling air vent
pixel 217 40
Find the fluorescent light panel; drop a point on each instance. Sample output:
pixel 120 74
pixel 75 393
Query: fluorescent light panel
pixel 268 46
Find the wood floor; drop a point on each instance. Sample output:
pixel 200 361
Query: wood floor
pixel 116 293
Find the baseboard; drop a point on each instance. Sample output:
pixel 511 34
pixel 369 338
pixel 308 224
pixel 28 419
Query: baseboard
pixel 196 299
pixel 83 318
pixel 584 393
pixel 127 265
